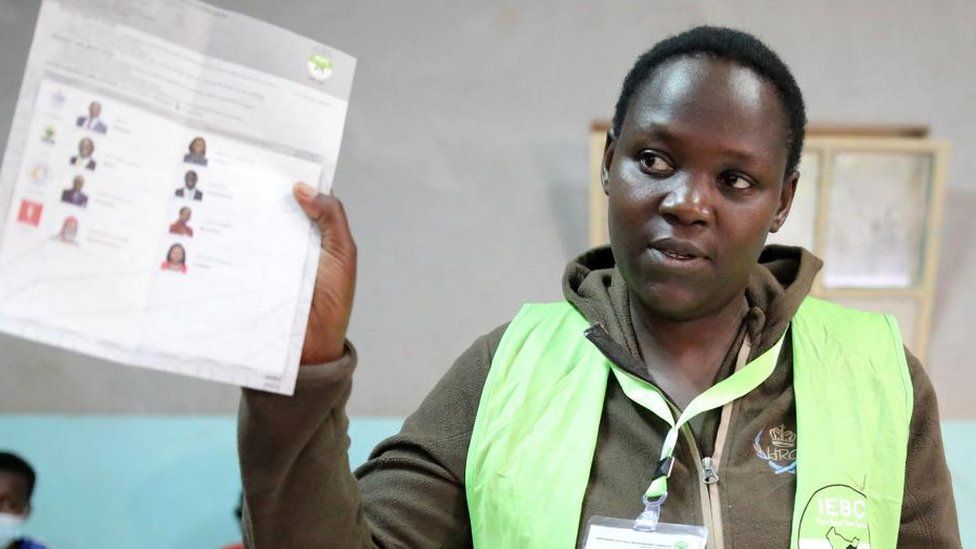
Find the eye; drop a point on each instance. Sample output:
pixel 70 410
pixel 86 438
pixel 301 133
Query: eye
pixel 654 163
pixel 737 181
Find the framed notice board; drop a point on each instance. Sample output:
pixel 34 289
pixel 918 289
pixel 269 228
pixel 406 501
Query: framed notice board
pixel 869 203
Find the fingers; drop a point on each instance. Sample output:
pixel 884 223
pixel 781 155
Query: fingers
pixel 329 214
pixel 306 197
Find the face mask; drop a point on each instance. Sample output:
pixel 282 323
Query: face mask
pixel 10 527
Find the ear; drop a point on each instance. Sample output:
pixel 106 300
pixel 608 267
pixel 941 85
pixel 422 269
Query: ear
pixel 785 200
pixel 608 150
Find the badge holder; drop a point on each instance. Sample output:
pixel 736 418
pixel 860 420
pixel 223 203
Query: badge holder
pixel 614 533
pixel 646 531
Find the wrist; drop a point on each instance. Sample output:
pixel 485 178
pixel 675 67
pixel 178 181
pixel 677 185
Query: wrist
pixel 324 354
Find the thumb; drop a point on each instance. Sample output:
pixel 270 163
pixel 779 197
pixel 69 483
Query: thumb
pixel 328 213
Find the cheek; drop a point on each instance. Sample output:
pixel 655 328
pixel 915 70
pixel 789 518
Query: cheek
pixel 631 201
pixel 745 232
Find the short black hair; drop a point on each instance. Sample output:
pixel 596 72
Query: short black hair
pixel 732 45
pixel 12 463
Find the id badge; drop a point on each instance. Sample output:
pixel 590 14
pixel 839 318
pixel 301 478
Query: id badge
pixel 614 533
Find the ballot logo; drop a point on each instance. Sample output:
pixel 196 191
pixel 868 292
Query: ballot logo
pixel 30 212
pixel 319 67
pixel 47 136
pixel 777 447
pixel 836 516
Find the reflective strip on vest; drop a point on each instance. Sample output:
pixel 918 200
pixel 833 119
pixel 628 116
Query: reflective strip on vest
pixel 535 433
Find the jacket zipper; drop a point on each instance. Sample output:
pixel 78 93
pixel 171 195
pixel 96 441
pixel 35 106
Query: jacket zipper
pixel 707 466
pixel 708 516
pixel 708 472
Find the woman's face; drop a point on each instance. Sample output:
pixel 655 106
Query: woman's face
pixel 184 214
pixel 176 255
pixel 86 147
pixel 70 227
pixel 695 182
pixel 198 146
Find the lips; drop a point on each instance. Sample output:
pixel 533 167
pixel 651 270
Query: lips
pixel 677 249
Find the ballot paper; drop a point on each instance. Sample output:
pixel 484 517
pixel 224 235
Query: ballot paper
pixel 146 187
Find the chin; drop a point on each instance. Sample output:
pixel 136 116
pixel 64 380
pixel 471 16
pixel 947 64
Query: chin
pixel 675 303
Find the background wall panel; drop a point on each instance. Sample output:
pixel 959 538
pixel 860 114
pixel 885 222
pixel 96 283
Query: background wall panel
pixel 464 166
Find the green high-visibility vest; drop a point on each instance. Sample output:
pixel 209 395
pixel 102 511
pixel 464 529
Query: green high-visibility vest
pixel 535 433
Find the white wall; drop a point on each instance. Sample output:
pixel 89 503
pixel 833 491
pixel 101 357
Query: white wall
pixel 464 165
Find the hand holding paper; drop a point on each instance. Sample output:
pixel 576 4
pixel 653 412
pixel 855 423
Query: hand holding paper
pixel 335 282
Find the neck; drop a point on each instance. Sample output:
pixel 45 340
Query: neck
pixel 687 353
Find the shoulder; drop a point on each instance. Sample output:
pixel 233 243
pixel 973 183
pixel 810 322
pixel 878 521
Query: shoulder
pixel 447 414
pixel 468 373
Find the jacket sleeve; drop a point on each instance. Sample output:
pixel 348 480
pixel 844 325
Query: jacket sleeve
pixel 928 512
pixel 300 493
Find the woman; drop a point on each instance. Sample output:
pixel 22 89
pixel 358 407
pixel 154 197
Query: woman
pixel 197 152
pixel 180 226
pixel 175 259
pixel 807 423
pixel 86 147
pixel 69 230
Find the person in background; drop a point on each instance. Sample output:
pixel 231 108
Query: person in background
pixel 17 479
pixel 175 259
pixel 86 147
pixel 189 190
pixel 180 225
pixel 198 152
pixel 93 121
pixel 74 194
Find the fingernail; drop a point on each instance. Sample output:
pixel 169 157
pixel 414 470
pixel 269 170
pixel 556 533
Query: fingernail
pixel 305 190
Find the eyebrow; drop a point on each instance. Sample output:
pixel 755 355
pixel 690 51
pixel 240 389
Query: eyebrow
pixel 667 133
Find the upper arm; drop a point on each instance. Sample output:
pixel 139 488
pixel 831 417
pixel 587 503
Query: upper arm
pixel 928 517
pixel 413 483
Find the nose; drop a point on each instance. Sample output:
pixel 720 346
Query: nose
pixel 687 201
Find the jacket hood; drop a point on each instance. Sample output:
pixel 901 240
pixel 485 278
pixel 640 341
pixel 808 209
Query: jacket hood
pixel 780 281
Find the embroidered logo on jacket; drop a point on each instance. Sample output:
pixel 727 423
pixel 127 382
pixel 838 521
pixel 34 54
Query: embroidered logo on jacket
pixel 778 449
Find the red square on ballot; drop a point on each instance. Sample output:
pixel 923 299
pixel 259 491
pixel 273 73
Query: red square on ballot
pixel 30 212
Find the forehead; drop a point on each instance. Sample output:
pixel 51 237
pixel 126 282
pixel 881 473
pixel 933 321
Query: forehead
pixel 13 486
pixel 712 101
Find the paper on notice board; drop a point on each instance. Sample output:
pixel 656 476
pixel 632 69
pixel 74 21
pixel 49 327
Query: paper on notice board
pixel 146 187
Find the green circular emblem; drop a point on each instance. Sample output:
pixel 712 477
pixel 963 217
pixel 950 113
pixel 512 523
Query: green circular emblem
pixel 836 515
pixel 319 67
